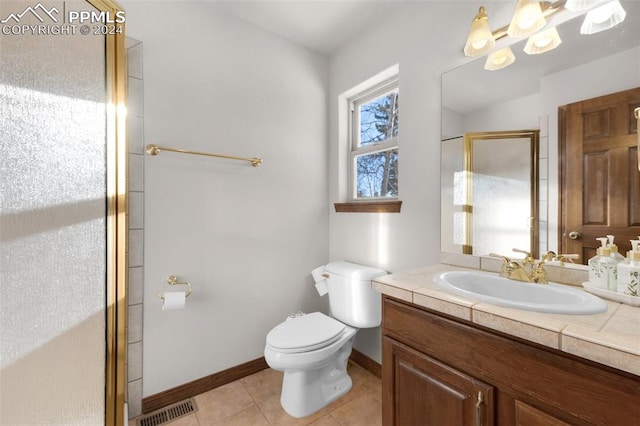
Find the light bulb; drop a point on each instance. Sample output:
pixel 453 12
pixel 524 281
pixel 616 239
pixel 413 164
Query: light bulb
pixel 603 18
pixel 543 41
pixel 500 59
pixel 527 19
pixel 526 22
pixel 479 44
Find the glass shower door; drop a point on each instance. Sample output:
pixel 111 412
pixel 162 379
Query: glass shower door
pixel 56 202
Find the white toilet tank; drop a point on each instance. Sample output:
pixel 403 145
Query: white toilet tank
pixel 351 298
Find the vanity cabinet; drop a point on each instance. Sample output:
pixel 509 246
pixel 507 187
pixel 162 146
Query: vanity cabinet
pixel 439 370
pixel 425 388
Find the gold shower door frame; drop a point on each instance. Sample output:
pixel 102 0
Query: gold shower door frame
pixel 116 233
pixel 468 147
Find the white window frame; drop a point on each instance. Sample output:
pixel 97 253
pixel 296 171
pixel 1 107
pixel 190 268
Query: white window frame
pixel 355 150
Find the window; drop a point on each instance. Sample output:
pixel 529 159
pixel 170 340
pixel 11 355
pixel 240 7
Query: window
pixel 374 143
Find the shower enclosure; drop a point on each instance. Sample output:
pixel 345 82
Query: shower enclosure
pixel 62 214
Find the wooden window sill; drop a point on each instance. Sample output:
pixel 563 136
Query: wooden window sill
pixel 369 207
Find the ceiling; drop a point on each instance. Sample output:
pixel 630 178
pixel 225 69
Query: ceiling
pixel 320 25
pixel 325 25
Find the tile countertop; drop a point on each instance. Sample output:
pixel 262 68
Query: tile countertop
pixel 611 338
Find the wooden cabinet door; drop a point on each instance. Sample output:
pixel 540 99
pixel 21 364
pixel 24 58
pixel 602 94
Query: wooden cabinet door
pixel 600 185
pixel 423 391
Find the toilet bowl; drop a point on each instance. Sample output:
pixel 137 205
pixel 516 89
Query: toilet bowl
pixel 313 349
pixel 315 367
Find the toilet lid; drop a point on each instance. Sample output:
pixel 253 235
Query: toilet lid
pixel 305 333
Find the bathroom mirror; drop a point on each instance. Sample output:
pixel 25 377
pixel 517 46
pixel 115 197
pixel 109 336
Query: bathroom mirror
pixel 527 95
pixel 489 191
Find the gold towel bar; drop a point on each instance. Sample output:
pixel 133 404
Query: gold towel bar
pixel 173 280
pixel 155 149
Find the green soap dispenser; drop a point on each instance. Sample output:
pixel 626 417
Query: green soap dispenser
pixel 603 269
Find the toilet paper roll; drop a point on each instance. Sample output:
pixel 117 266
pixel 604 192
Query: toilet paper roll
pixel 321 286
pixel 317 274
pixel 174 300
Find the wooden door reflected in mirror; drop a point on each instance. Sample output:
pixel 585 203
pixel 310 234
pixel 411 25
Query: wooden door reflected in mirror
pixel 600 183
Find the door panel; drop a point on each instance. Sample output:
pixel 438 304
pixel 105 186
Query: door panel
pixel 428 392
pixel 596 125
pixel 433 394
pixel 596 167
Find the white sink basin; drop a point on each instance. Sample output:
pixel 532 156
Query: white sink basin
pixel 494 289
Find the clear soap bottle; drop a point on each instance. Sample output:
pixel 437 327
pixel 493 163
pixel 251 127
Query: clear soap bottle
pixel 614 250
pixel 603 269
pixel 629 272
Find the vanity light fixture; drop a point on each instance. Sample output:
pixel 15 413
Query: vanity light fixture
pixel 603 18
pixel 500 59
pixel 530 16
pixel 480 38
pixel 543 41
pixel 527 19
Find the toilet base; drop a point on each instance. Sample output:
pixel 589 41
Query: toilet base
pixel 306 391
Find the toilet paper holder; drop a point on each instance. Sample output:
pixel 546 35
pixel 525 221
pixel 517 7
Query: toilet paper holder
pixel 173 280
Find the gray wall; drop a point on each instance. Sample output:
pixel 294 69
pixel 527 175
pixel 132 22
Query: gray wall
pixel 245 238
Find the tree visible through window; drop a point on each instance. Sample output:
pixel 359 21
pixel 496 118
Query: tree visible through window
pixel 375 151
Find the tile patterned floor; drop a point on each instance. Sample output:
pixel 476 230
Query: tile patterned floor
pixel 255 401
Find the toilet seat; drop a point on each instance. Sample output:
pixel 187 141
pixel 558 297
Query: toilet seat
pixel 305 333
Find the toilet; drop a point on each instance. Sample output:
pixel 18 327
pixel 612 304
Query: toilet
pixel 313 349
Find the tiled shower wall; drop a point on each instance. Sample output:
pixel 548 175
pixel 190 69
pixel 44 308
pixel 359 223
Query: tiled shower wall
pixel 135 138
pixel 543 186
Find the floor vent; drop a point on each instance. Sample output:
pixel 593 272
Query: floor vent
pixel 168 414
